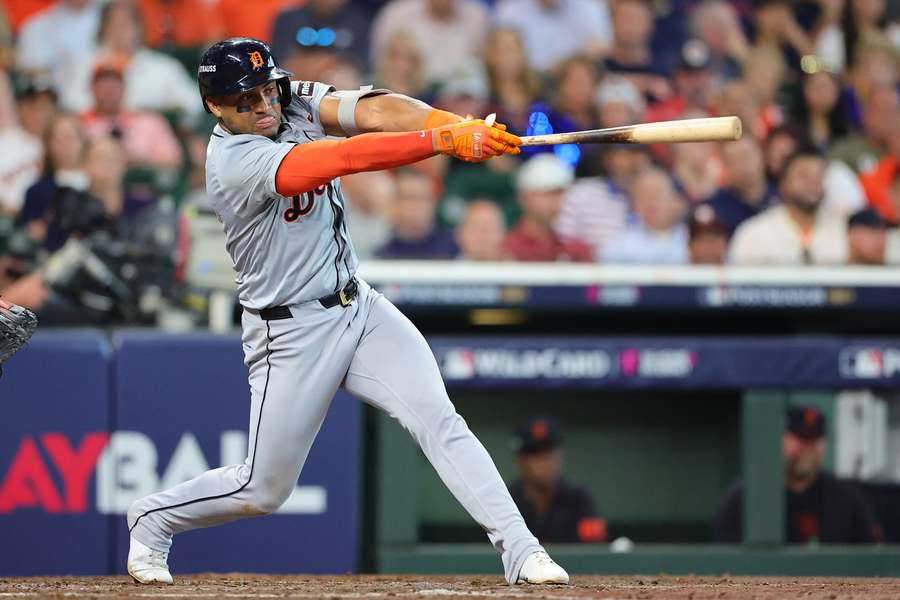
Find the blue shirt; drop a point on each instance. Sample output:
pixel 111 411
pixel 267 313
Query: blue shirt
pixel 732 210
pixel 439 243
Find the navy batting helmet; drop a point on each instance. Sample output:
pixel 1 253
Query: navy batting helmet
pixel 237 65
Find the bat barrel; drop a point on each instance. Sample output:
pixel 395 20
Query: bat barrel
pixel 716 129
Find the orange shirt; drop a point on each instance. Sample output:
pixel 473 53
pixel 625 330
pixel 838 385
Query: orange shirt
pixel 877 184
pixel 18 11
pixel 182 23
pixel 253 19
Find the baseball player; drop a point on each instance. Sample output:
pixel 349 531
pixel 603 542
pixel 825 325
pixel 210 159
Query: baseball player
pixel 310 325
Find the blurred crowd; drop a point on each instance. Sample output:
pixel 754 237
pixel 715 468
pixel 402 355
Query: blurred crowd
pixel 103 132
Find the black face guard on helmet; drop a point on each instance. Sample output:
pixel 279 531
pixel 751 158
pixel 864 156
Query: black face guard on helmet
pixel 239 64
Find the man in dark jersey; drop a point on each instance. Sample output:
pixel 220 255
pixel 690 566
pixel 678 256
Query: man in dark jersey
pixel 818 506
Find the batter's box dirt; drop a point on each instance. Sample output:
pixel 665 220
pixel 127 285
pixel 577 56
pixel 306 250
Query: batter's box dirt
pixel 440 587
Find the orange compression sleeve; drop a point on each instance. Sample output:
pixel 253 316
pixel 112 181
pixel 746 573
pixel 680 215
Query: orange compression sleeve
pixel 308 166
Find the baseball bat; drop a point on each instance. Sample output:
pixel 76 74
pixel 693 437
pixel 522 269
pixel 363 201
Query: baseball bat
pixel 716 129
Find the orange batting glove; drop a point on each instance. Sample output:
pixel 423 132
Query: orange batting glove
pixel 474 141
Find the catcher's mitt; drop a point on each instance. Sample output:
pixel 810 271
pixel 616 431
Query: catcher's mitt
pixel 17 324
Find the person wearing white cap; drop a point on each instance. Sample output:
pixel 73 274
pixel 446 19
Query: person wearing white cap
pixel 541 183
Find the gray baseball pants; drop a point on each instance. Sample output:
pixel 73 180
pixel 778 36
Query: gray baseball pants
pixel 296 365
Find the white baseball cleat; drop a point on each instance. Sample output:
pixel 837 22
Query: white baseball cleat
pixel 146 565
pixel 540 568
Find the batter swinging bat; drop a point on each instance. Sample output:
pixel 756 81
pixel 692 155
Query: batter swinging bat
pixel 717 129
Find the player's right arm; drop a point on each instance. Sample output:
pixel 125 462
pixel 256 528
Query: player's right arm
pixel 308 166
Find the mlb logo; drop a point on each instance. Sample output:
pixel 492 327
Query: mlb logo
pixel 459 364
pixel 862 363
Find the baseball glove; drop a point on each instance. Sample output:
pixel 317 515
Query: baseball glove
pixel 17 324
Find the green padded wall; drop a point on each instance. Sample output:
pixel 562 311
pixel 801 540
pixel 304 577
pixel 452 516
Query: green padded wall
pixel 657 464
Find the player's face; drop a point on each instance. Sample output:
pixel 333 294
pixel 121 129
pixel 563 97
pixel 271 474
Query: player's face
pixel 256 111
pixel 540 469
pixel 802 457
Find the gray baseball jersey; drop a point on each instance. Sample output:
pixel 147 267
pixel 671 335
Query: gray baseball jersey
pixel 289 252
pixel 285 250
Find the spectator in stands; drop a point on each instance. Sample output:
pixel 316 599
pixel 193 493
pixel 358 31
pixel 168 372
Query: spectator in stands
pixel 862 20
pixel 63 175
pixel 595 208
pixel 818 506
pixel 466 93
pixel 777 28
pixel 718 25
pixel 618 102
pixel 153 81
pixel 480 232
pixel 630 53
pixel 655 233
pixel 764 71
pixel 542 182
pixel 692 83
pixel 799 230
pixel 57 40
pixel 746 192
pixel 20 154
pixel 875 67
pixel 369 196
pixel 879 181
pixel 36 104
pixel 415 233
pixel 252 19
pixel 555 30
pixel 843 191
pixel 514 85
pixel 147 138
pixel 575 89
pixel 399 65
pixel 697 170
pixel 450 32
pixel 820 109
pixel 79 210
pixel 869 240
pixel 102 208
pixel 708 237
pixel 862 151
pixel 555 509
pixel 187 24
pixel 572 103
pixel 736 98
pixel 334 24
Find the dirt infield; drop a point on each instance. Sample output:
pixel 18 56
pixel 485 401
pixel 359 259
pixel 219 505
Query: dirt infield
pixel 352 587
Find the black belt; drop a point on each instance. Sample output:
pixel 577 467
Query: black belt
pixel 343 297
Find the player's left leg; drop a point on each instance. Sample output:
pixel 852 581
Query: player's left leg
pixel 394 370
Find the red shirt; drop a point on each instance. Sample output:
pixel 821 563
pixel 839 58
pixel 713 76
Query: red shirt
pixel 523 245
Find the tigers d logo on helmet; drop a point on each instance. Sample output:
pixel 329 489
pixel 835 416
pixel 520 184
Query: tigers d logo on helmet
pixel 256 60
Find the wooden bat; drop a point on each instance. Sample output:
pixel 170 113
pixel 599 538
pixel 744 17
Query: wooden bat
pixel 716 129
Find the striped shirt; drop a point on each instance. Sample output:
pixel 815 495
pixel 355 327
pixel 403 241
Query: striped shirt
pixel 594 211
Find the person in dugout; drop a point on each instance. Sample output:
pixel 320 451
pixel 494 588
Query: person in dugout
pixel 819 507
pixel 556 510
